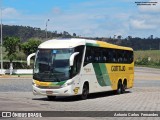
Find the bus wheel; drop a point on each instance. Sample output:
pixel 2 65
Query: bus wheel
pixel 124 86
pixel 51 97
pixel 123 89
pixel 120 87
pixel 85 92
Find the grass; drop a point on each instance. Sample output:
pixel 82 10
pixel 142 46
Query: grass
pixel 153 54
pixel 147 58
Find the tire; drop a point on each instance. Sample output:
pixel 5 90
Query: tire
pixel 120 88
pixel 51 97
pixel 123 88
pixel 85 92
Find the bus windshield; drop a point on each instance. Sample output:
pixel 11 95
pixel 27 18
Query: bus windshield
pixel 52 65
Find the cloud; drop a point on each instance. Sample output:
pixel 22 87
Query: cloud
pixel 57 10
pixel 81 23
pixel 141 24
pixel 10 13
pixel 12 16
pixel 84 21
pixel 92 19
pixel 146 18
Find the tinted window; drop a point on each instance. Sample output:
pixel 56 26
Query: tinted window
pixel 107 55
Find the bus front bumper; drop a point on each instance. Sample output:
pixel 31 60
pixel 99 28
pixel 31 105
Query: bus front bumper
pixel 64 91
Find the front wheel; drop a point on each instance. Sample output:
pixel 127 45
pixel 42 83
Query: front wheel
pixel 85 92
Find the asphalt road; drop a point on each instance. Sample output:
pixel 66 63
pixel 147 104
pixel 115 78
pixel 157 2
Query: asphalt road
pixel 16 95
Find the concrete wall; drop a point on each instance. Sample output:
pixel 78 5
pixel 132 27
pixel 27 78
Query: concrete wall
pixel 17 71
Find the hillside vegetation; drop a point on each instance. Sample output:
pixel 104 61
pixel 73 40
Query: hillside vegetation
pixel 27 32
pixel 24 33
pixel 150 58
pixel 147 50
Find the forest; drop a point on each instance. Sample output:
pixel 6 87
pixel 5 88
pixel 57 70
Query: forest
pixel 20 41
pixel 24 33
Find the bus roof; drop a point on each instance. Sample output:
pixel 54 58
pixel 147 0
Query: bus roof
pixel 73 42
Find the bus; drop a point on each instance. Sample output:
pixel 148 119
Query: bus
pixel 68 67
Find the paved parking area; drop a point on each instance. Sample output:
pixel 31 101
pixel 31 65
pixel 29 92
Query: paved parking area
pixel 16 95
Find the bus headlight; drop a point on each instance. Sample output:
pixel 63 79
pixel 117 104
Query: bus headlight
pixel 33 83
pixel 68 83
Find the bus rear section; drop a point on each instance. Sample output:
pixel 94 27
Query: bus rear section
pixel 108 67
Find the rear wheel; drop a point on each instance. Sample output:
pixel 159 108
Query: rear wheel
pixel 123 89
pixel 85 92
pixel 120 88
pixel 51 97
pixel 124 86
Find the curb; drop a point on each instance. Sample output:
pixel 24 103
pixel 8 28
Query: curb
pixel 15 76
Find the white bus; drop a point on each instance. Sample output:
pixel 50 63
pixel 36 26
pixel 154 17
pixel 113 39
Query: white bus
pixel 67 67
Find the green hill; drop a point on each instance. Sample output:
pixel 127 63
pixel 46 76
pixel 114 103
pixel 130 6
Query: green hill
pixel 149 58
pixel 27 32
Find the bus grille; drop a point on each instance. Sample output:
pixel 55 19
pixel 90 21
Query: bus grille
pixel 49 87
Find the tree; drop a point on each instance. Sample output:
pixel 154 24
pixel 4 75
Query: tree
pixel 66 34
pixel 11 45
pixel 30 46
pixel 129 37
pixel 119 37
pixel 74 34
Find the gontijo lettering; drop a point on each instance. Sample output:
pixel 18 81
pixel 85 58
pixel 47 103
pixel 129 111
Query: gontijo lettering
pixel 118 68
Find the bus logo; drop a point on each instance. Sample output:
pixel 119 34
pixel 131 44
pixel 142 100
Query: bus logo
pixel 118 68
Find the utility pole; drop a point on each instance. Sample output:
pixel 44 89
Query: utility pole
pixel 46 28
pixel 1 43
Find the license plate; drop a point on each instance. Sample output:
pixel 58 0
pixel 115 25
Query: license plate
pixel 49 92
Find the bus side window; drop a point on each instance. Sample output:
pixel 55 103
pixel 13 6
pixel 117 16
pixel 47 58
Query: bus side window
pixel 96 55
pixel 88 56
pixel 112 56
pixel 130 56
pixel 115 57
pixel 105 55
pixel 119 56
pixel 125 57
pixel 109 55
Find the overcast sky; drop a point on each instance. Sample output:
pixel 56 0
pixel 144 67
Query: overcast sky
pixel 94 18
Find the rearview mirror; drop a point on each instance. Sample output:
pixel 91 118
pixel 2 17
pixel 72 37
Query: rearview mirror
pixel 29 58
pixel 71 60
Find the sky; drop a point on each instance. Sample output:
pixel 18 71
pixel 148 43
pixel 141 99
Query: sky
pixel 88 18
